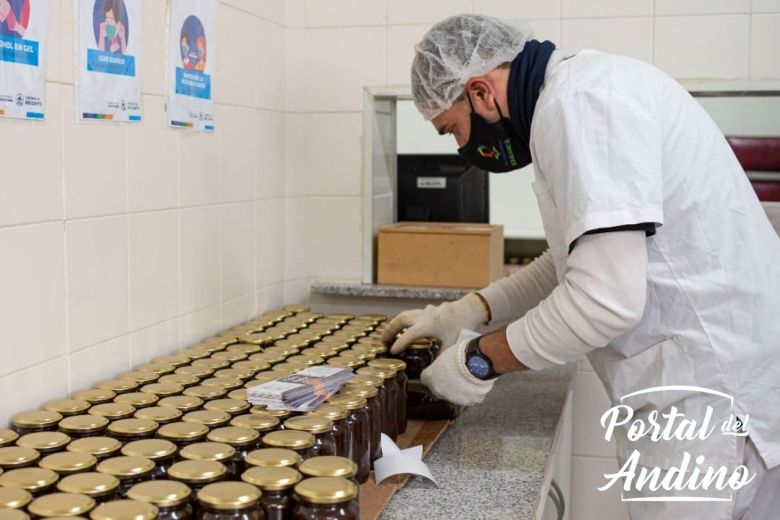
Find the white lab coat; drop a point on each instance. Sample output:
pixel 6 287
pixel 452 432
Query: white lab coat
pixel 616 141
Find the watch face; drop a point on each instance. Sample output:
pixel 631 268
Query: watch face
pixel 478 367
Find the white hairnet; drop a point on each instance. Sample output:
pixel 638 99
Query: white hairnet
pixel 456 49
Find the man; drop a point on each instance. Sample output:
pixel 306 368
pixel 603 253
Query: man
pixel 662 267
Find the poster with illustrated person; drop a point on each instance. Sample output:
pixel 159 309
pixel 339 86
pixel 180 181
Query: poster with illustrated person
pixel 109 87
pixel 191 56
pixel 23 58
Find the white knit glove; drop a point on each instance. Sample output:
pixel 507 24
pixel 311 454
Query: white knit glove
pixel 442 322
pixel 449 379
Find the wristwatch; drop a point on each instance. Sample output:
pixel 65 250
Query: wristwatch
pixel 477 363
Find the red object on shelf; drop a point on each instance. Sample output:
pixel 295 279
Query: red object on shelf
pixel 759 154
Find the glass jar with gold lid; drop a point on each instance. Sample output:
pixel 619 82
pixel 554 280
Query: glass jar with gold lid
pixel 194 371
pixel 262 424
pixel 98 486
pixel 263 377
pixel 254 366
pixel 279 414
pixel 61 504
pixel 124 510
pixel 44 443
pixel 286 369
pixel 296 308
pixel 159 414
pixel 305 360
pixel 210 418
pixel 378 349
pixel 14 498
pixel 230 406
pixel 183 380
pixel 371 395
pixel 197 474
pixel 82 426
pixel 67 463
pixel 36 421
pixel 137 400
pixel 159 451
pixel 163 389
pixel 171 498
pixel 320 427
pixel 239 395
pixel 7 437
pixel 276 484
pixel 183 433
pixel 14 514
pixel 225 383
pixel 363 356
pixel 177 360
pixel 334 498
pixel 129 471
pixel 99 447
pixel 15 457
pixel 400 379
pixel 350 363
pixel 341 434
pixel 243 440
pixel 388 396
pixel 205 393
pixel 270 357
pixel 67 407
pixel 244 348
pixel 329 466
pixel 94 396
pixel 216 451
pixel 118 386
pixel 160 369
pixel 36 481
pixel 230 501
pixel 183 403
pixel 235 373
pixel 297 441
pixel 140 377
pixel 127 430
pixel 113 411
pixel 359 427
pixel 273 458
pixel 211 363
pixel 324 351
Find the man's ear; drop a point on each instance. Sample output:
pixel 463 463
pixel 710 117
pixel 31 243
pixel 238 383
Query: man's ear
pixel 482 96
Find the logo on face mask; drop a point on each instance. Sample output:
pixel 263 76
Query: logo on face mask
pixel 489 152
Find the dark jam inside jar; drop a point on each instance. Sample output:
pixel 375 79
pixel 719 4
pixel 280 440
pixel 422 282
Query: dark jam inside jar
pixel 326 498
pixel 321 428
pixel 341 434
pixel 389 398
pixel 172 499
pixel 417 359
pixel 359 427
pixel 277 484
pixel 398 367
pixel 159 451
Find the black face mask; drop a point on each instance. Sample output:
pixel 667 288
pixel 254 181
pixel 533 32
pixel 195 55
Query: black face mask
pixel 494 147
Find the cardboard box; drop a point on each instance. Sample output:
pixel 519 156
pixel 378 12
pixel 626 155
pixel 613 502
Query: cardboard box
pixel 440 254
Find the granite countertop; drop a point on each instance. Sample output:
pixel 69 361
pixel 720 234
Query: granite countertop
pixel 368 290
pixel 490 462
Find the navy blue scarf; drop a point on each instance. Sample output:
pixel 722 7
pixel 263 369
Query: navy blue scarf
pixel 525 81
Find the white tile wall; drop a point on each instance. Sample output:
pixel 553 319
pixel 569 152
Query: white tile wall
pixel 414 11
pixel 520 9
pixel 764 46
pixel 601 8
pixel 199 253
pixel 348 12
pixel 666 7
pixel 333 136
pixel 333 237
pixel 627 36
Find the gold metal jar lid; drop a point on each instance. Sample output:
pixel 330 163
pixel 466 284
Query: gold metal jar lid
pixel 290 439
pixel 272 478
pixel 163 389
pixel 225 383
pixel 126 467
pixel 197 471
pixel 30 479
pixel 397 365
pixel 364 391
pixel 264 377
pixel 67 462
pixel 323 351
pixel 286 369
pixel 7 437
pixel 183 403
pixel 36 419
pixel 229 495
pixel 183 380
pixel 194 371
pixel 376 349
pixel 160 493
pixel 140 377
pixel 342 362
pixel 124 510
pixel 384 373
pixel 350 402
pixel 176 360
pixel 244 348
pixel 113 411
pixel 118 386
pixel 357 354
pixel 239 395
pixel 234 435
pixel 292 343
pixel 269 357
pixel 182 431
pixel 14 498
pixel 374 317
pixel 194 353
pixel 210 418
pixel 230 357
pixel 306 360
pixel 99 447
pixel 280 414
pixel 158 368
pixel 309 423
pixel 43 441
pixel 13 514
pixel 273 458
pixel 230 406
pixel 295 308
pixel 259 423
pixel 67 407
pixel 206 393
pixel 421 343
pixel 95 396
pixel 92 484
pixel 366 380
pixel 328 466
pixel 211 363
pixel 280 349
pixel 234 373
pixel 133 427
pixel 61 504
pixel 326 490
pixel 152 449
pixel 369 340
pixel 137 399
pixel 334 412
pixel 159 414
pixel 254 366
pixel 217 451
pixel 14 456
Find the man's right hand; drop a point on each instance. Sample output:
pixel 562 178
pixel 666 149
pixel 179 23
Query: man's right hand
pixel 442 322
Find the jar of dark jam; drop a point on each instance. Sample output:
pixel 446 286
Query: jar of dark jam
pixel 216 451
pixel 282 415
pixel 94 396
pixel 273 458
pixel 83 426
pixel 99 447
pixel 8 438
pixel 177 360
pixel 159 414
pixel 399 367
pixel 163 389
pixel 363 356
pixel 183 380
pixel 124 510
pixel 210 418
pixel 68 463
pixel 183 403
pixel 254 366
pixel 276 484
pixel 128 470
pixel 14 498
pixel 44 443
pixel 137 400
pixel 142 378
pixel 16 457
pixel 320 427
pixel 329 466
pixel 235 373
pixel 14 514
pixel 118 386
pixel 159 451
pixel 67 407
pixel 160 369
pixel 389 398
pixel 113 411
pixel 205 393
pixel 37 421
pixel 36 481
pixel 371 395
pixel 338 415
pixel 262 424
pixel 232 406
pixel 127 430
pixel 98 486
pixel 197 474
pixel 183 433
pixel 230 357
pixel 331 498
pixel 61 504
pixel 230 501
pixel 359 427
pixel 244 348
pixel 243 440
pixel 350 363
pixel 200 372
pixel 171 498
pixel 297 441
